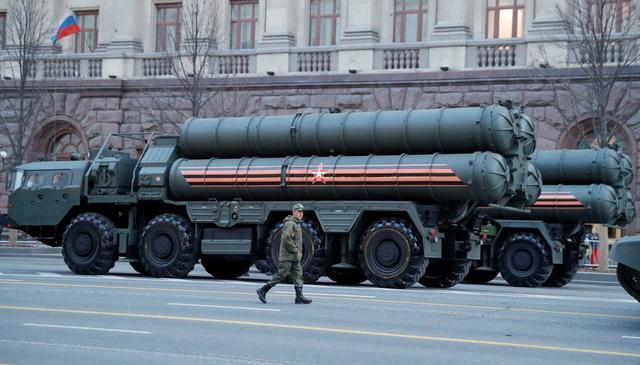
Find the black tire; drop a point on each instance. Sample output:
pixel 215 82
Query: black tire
pixel 225 269
pixel 167 247
pixel 525 260
pixel 629 279
pixel 346 277
pixel 88 244
pixel 562 275
pixel 139 267
pixel 480 276
pixel 264 267
pixel 390 256
pixel 445 273
pixel 314 261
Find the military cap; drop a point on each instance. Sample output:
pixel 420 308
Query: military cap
pixel 298 207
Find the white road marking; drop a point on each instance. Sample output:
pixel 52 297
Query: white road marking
pixel 86 328
pixel 115 277
pixel 163 356
pixel 10 280
pixel 631 337
pixel 537 296
pixel 237 282
pixel 595 281
pixel 224 307
pixel 331 295
pixel 49 274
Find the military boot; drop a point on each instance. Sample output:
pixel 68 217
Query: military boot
pixel 262 292
pixel 300 299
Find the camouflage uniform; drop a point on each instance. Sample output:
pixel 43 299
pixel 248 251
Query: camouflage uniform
pixel 290 253
pixel 289 258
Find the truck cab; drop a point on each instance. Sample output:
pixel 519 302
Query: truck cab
pixel 42 195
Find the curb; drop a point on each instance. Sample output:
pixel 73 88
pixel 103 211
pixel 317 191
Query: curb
pixel 597 276
pixel 30 250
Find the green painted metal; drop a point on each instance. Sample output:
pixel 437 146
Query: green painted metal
pixel 508 227
pixel 481 176
pixel 527 132
pixel 40 201
pixel 580 167
pixel 457 130
pixel 627 168
pixel 627 251
pixel 595 203
pixel 627 210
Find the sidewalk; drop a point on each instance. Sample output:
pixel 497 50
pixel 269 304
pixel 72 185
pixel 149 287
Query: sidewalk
pixel 23 248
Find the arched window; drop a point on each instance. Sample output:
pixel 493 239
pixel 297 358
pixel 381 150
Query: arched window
pixel 57 139
pixel 582 135
pixel 64 144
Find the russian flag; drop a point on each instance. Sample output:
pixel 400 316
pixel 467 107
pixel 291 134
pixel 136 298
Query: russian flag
pixel 66 27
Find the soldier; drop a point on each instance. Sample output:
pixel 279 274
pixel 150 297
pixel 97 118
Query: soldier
pixel 289 257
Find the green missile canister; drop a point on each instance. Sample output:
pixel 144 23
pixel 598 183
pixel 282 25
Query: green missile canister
pixel 481 176
pixel 534 183
pixel 527 133
pixel 456 130
pixel 627 168
pixel 628 209
pixel 579 167
pixel 595 203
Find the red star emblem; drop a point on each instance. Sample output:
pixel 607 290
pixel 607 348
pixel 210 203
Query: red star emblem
pixel 318 174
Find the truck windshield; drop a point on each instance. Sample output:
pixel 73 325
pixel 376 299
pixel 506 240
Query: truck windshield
pixel 15 180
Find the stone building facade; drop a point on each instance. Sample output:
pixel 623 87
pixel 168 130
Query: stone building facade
pixel 454 61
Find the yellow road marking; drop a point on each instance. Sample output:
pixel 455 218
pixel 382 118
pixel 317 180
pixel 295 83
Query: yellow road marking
pixel 367 300
pixel 327 330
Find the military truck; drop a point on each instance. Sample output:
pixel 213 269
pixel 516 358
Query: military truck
pixel 550 233
pixel 217 193
pixel 626 252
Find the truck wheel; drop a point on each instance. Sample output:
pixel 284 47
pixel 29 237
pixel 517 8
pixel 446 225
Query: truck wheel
pixel 562 275
pixel 445 273
pixel 525 260
pixel 264 267
pixel 346 277
pixel 480 276
pixel 88 245
pixel 390 256
pixel 225 269
pixel 629 279
pixel 139 267
pixel 167 247
pixel 314 261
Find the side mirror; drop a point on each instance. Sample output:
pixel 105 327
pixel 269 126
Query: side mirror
pixel 8 180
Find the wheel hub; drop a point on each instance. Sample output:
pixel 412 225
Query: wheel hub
pixel 522 260
pixel 162 247
pixel 388 253
pixel 83 244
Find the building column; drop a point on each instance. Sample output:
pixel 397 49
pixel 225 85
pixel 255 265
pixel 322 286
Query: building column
pixel 453 21
pixel 545 18
pixel 546 24
pixel 360 24
pixel 120 34
pixel 279 19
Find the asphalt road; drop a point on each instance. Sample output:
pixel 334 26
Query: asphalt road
pixel 51 316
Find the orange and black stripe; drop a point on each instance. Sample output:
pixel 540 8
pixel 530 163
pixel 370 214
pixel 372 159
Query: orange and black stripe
pixel 555 200
pixel 342 175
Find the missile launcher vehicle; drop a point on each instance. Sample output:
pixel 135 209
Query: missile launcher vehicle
pixel 626 252
pixel 512 242
pixel 382 193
